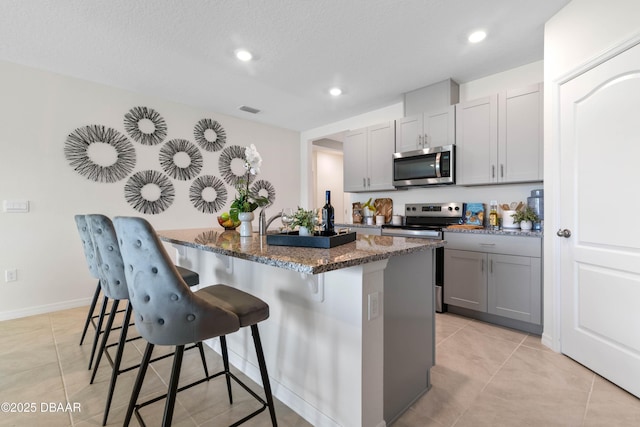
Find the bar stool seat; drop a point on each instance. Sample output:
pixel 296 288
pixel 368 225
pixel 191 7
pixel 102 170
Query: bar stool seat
pixel 167 312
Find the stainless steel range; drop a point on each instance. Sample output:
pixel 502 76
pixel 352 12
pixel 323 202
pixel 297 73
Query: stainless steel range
pixel 426 221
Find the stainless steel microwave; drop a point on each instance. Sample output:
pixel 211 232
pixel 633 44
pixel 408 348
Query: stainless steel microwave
pixel 420 168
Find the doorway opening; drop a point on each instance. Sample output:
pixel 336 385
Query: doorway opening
pixel 327 172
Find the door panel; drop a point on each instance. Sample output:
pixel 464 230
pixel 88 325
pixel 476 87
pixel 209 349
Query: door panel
pixel 600 262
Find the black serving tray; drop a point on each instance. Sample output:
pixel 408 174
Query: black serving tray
pixel 294 239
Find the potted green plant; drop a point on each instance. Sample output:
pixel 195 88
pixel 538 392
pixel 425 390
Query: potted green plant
pixel 525 217
pixel 305 220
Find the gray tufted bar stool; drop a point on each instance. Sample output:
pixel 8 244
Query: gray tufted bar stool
pixel 167 312
pixel 89 253
pixel 114 286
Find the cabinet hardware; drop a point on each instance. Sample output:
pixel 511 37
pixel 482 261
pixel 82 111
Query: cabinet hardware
pixel 368 182
pixel 493 171
pixel 566 233
pixel 501 171
pixel 487 244
pixel 364 182
pixel 491 267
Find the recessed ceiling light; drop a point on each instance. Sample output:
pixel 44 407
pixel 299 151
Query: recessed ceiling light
pixel 335 91
pixel 477 36
pixel 243 55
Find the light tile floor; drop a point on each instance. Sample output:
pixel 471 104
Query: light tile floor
pixel 484 376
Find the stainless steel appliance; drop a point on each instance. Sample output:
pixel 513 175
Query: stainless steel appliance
pixel 420 168
pixel 426 221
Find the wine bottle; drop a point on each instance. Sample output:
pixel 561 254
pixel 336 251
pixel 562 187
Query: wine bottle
pixel 328 228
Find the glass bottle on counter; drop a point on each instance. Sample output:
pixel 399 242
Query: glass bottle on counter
pixel 494 223
pixel 328 228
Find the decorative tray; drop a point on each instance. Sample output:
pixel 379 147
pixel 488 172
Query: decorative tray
pixel 294 239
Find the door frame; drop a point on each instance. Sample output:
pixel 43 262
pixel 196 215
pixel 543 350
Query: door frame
pixel 552 331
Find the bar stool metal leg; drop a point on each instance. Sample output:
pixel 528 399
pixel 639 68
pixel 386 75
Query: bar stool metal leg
pixel 225 360
pixel 96 295
pixel 173 386
pixel 138 384
pixel 103 310
pixel 266 385
pixel 118 360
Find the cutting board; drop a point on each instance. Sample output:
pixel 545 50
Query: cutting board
pixel 384 207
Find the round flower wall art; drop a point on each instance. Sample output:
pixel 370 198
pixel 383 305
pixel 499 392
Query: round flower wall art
pixel 181 159
pixel 208 194
pixel 145 125
pixel 210 135
pixel 100 153
pixel 149 192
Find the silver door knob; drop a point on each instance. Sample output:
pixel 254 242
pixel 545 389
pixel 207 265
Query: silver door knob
pixel 564 233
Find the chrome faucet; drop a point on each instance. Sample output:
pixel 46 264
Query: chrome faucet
pixel 264 223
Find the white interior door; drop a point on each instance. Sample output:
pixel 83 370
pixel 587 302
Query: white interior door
pixel 600 206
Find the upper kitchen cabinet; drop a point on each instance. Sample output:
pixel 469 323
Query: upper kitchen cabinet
pixel 431 129
pixel 368 154
pixel 499 138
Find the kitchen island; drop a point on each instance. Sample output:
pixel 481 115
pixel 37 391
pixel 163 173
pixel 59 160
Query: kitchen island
pixel 350 337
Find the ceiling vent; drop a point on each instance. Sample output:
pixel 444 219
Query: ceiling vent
pixel 248 109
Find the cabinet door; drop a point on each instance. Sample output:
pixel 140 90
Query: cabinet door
pixel 380 155
pixel 477 141
pixel 514 288
pixel 465 279
pixel 355 160
pixel 440 127
pixel 520 135
pixel 409 133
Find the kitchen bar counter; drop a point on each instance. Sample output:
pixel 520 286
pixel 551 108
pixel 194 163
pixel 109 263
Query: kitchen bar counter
pixel 350 336
pixel 303 260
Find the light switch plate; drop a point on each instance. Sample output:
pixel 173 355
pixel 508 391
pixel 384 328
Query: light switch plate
pixel 15 206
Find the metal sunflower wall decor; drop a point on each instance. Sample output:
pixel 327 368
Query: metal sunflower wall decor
pixel 145 125
pixel 210 135
pixel 261 187
pixel 77 147
pixel 168 159
pixel 206 205
pixel 225 167
pixel 103 154
pixel 155 204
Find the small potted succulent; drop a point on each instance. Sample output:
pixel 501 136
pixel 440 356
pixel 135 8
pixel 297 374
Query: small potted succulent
pixel 305 220
pixel 525 217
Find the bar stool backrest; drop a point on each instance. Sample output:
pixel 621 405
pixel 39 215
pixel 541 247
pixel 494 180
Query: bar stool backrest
pixel 109 260
pixel 87 245
pixel 166 311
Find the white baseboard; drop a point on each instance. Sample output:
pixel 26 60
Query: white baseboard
pixel 42 309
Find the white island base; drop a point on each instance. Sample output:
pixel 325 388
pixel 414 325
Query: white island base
pixel 347 347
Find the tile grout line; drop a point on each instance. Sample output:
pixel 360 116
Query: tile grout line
pixel 520 344
pixel 586 408
pixel 64 384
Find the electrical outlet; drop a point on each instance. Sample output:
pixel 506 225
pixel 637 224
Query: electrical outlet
pixel 374 306
pixel 10 275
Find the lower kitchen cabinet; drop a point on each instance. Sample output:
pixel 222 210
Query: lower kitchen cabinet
pixel 465 279
pixel 494 274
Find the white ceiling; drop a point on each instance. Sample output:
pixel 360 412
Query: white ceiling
pixel 182 50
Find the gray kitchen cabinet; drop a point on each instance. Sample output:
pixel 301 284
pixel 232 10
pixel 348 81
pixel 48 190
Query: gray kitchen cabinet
pixel 430 129
pixel 495 274
pixel 499 138
pixel 465 279
pixel 368 154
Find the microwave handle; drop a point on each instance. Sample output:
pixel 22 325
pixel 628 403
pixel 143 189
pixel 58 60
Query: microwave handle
pixel 438 172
